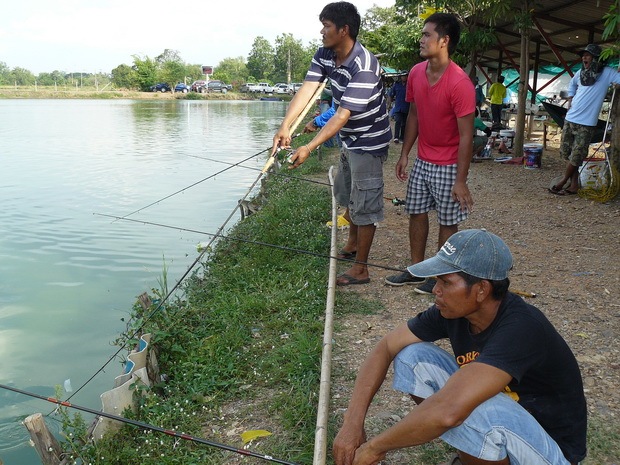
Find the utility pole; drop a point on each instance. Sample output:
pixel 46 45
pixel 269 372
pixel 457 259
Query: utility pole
pixel 288 67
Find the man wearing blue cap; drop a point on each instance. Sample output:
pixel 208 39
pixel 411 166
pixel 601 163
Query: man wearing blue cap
pixel 511 392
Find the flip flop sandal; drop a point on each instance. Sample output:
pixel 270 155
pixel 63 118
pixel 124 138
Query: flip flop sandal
pixel 343 254
pixel 554 190
pixel 566 192
pixel 347 280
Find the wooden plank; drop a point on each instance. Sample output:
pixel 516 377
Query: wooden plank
pixel 44 442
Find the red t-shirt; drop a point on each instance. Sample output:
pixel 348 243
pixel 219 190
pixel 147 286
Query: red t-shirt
pixel 438 107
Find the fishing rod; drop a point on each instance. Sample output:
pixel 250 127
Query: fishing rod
pixel 294 125
pixel 270 161
pixel 140 424
pixel 195 183
pixel 179 281
pixel 287 176
pixel 249 241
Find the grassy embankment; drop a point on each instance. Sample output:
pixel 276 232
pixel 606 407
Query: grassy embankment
pixel 242 347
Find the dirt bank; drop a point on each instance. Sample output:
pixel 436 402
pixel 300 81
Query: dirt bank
pixel 565 251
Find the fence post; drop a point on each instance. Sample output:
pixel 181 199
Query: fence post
pixel 44 442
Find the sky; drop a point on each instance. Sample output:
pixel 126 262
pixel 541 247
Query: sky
pixel 98 35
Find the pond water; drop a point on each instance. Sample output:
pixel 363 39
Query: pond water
pixel 68 276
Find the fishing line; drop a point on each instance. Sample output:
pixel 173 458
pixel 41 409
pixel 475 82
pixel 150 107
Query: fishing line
pixel 287 176
pixel 192 265
pixel 249 241
pixel 150 427
pixel 195 183
pixel 267 166
pixel 170 292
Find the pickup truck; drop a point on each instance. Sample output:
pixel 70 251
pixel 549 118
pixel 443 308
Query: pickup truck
pixel 218 86
pixel 262 87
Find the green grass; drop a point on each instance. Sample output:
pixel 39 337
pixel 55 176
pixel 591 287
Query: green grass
pixel 242 347
pixel 247 337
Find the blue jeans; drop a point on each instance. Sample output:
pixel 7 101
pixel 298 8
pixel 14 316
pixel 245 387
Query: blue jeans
pixel 497 428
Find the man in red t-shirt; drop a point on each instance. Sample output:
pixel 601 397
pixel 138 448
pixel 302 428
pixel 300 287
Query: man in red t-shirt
pixel 441 119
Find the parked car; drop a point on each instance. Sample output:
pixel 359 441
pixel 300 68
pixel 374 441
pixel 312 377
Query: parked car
pixel 160 87
pixel 296 86
pixel 199 86
pixel 218 86
pixel 265 88
pixel 180 87
pixel 282 88
pixel 257 87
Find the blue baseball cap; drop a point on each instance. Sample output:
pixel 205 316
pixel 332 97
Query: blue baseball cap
pixel 476 252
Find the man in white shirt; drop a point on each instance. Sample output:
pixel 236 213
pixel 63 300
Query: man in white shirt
pixel 586 93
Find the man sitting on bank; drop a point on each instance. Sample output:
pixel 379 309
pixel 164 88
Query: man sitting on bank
pixel 511 393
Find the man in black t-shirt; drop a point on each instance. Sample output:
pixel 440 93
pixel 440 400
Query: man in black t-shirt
pixel 511 392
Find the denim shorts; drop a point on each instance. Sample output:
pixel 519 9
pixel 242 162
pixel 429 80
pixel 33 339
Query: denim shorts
pixel 497 428
pixel 358 185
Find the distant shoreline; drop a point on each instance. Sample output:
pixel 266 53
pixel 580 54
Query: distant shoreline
pixel 9 92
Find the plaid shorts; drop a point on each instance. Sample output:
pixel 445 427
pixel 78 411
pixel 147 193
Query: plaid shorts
pixel 430 188
pixel 575 142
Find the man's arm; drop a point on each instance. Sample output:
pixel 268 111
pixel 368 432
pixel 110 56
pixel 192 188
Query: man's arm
pixel 469 387
pixel 282 138
pixel 460 191
pixel 411 134
pixel 369 379
pixel 331 128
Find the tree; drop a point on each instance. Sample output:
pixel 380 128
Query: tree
pixel 125 77
pixel 171 72
pixel 146 72
pixel 52 79
pixel 261 59
pixel 523 23
pixel 21 77
pixel 290 59
pixel 232 71
pixel 4 73
pixel 392 34
pixel 476 16
pixel 169 55
pixel 612 31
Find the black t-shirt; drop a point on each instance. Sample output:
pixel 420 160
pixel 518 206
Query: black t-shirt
pixel 521 341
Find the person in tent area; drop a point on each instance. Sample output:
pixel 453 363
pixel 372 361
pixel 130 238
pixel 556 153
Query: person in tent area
pixel 362 120
pixel 400 109
pixel 479 93
pixel 586 93
pixel 441 119
pixel 497 94
pixel 481 139
pixel 511 392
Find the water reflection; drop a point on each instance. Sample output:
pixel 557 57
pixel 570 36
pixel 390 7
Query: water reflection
pixel 67 276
